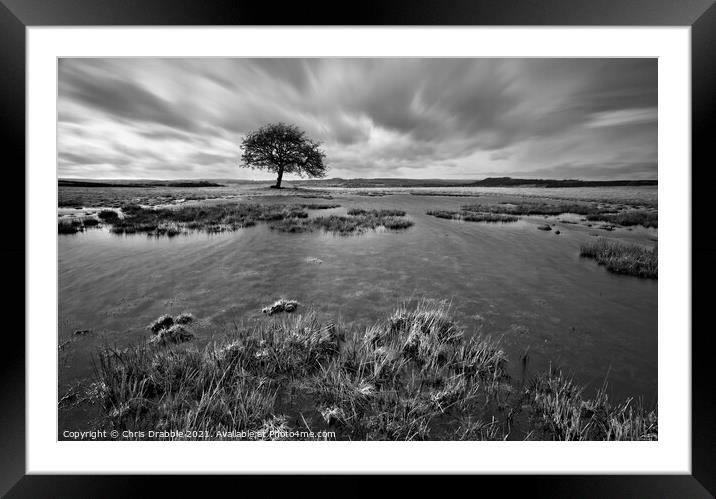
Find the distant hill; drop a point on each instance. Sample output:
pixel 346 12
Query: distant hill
pixel 487 182
pixel 142 183
pixel 511 182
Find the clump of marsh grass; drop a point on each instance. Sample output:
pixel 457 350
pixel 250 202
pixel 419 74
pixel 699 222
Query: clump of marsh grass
pixel 472 216
pixel 90 222
pixel 488 217
pixel 108 215
pixel 360 219
pixel 622 258
pixel 376 213
pixel 310 206
pixel 628 218
pixel 409 375
pixel 539 208
pixel 279 306
pixel 396 223
pixel 184 318
pixel 345 225
pixel 65 226
pixel 560 412
pixel 162 389
pixel 163 322
pixel 168 329
pixel 173 334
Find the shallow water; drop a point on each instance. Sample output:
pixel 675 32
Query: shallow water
pixel 647 195
pixel 527 287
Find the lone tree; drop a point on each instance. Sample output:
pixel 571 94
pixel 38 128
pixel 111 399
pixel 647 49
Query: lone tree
pixel 283 148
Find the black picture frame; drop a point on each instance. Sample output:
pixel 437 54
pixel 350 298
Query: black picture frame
pixel 700 15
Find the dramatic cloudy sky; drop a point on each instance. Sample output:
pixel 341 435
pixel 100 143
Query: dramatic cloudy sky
pixel 411 118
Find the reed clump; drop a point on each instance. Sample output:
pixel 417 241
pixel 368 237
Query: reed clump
pixel 539 208
pixel 473 216
pixel 357 221
pixel 561 412
pixel 620 258
pixel 629 218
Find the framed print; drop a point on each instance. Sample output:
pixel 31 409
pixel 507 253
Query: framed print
pixel 425 241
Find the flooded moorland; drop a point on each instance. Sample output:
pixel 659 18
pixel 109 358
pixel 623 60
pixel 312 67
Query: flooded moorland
pixel 522 283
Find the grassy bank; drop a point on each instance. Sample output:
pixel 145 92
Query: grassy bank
pixel 376 213
pixel 357 221
pixel 74 225
pixel 69 226
pixel 628 218
pixel 115 197
pixel 538 208
pixel 212 218
pixel 621 258
pixel 413 376
pixel 471 216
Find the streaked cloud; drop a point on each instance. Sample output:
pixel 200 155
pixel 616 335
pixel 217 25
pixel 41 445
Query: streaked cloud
pixel 623 117
pixel 420 118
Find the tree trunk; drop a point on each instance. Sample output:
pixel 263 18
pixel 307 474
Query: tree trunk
pixel 278 180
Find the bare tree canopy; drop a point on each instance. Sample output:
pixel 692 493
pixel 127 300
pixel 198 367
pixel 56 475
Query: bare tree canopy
pixel 283 148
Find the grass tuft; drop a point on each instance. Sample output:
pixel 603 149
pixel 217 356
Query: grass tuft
pixel 621 258
pixel 376 213
pixel 354 224
pixel 279 306
pixel 163 322
pixel 560 412
pixel 167 329
pixel 184 318
pixel 90 222
pixel 628 218
pixel 471 216
pixel 537 208
pixel 310 206
pixel 65 226
pixel 108 215
pixel 173 334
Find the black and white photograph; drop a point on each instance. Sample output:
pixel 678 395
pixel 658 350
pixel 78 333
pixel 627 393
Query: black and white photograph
pixel 357 249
